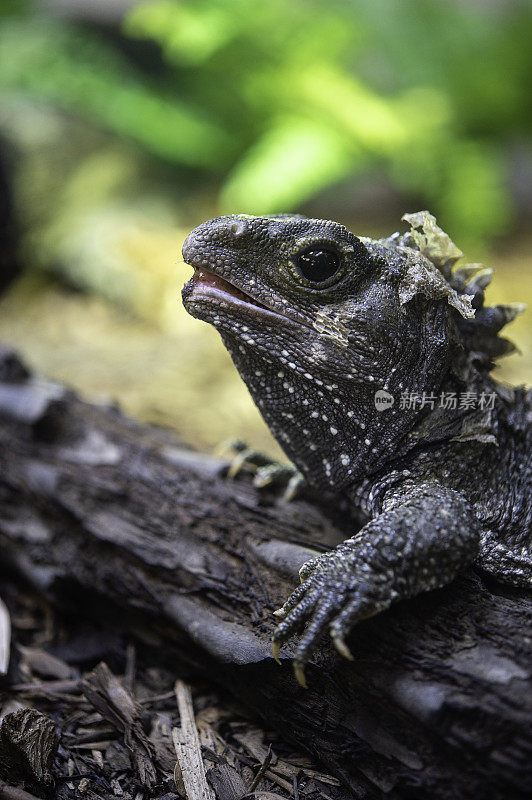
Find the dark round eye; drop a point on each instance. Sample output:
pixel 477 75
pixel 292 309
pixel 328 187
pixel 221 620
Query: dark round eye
pixel 318 266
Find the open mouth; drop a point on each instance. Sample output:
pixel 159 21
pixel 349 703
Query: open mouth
pixel 210 285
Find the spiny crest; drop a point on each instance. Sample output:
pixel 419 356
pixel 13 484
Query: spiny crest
pixel 479 333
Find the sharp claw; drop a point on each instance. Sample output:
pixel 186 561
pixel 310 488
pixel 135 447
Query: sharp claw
pixel 236 465
pixel 276 650
pixel 299 672
pixel 280 612
pixel 261 481
pixel 342 648
pixel 292 487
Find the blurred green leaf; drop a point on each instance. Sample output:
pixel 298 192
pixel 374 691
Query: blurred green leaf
pixel 187 34
pixel 272 102
pixel 474 196
pixel 293 160
pixel 72 68
pixel 370 120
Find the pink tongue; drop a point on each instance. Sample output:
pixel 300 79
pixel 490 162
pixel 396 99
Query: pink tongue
pixel 210 279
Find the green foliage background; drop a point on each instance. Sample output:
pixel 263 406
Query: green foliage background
pixel 271 101
pixel 119 138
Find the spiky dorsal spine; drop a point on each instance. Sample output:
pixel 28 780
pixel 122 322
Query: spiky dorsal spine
pixel 479 334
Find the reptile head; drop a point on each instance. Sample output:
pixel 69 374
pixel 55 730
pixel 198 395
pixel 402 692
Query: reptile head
pixel 313 318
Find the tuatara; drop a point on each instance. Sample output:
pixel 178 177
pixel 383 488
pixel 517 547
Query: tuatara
pixel 370 361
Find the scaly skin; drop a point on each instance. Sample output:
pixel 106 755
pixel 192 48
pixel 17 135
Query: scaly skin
pixel 317 320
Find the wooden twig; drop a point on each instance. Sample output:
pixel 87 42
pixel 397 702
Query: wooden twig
pixel 5 638
pixel 188 748
pixel 260 772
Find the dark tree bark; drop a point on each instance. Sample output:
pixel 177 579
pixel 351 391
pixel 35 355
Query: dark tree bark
pixel 100 510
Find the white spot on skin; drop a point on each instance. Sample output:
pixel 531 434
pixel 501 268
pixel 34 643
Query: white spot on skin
pixel 344 458
pixel 334 431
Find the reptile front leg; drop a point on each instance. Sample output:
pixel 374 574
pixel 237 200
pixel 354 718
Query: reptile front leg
pixel 420 540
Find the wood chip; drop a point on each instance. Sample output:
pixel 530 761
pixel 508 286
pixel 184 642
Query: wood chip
pixel 321 776
pixel 5 638
pixel 252 740
pixel 28 746
pixel 161 739
pixel 118 707
pixel 93 746
pixel 279 771
pixel 188 748
pixel 45 664
pixel 226 782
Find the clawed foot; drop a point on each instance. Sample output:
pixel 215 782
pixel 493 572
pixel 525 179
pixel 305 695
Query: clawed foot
pixel 418 543
pixel 267 472
pixel 336 592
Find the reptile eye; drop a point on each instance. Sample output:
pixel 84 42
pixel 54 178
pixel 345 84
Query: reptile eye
pixel 318 266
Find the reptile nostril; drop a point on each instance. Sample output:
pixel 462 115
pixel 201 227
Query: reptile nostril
pixel 239 228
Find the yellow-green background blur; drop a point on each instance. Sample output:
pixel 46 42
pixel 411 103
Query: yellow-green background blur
pixel 124 124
